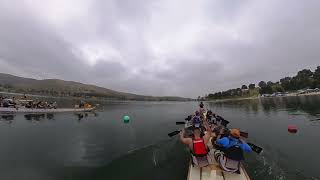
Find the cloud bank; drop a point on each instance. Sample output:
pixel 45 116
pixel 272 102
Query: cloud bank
pixel 182 47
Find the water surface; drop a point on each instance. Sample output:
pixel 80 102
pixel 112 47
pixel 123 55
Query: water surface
pixel 65 146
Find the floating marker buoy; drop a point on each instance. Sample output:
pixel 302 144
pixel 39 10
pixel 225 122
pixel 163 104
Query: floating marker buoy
pixel 292 129
pixel 126 119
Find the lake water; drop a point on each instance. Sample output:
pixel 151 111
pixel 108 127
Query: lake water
pixel 63 146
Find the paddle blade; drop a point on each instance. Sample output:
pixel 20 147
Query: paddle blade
pixel 244 134
pixel 173 133
pixel 180 122
pixel 224 122
pixel 255 148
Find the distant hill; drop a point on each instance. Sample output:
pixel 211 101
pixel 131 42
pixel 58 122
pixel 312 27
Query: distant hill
pixel 57 87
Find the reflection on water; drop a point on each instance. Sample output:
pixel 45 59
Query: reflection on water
pixel 299 105
pixel 35 117
pixel 285 155
pixel 7 117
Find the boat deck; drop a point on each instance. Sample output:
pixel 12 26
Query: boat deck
pixel 214 172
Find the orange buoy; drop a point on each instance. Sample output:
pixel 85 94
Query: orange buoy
pixel 292 129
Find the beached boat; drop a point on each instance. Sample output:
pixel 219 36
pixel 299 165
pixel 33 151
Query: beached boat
pixel 213 171
pixel 39 110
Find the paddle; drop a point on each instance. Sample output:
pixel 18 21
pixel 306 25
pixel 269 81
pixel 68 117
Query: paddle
pixel 244 134
pixel 173 133
pixel 180 122
pixel 255 148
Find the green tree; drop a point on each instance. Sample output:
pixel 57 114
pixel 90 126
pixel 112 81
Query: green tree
pixel 265 88
pixel 262 84
pixel 244 87
pixel 252 86
pixel 304 79
pixel 316 76
pixel 286 83
pixel 270 83
pixel 277 88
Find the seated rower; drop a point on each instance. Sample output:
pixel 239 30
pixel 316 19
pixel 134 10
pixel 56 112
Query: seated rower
pixel 201 105
pixel 189 118
pixel 211 117
pixel 232 151
pixel 201 109
pixel 221 121
pixel 196 120
pixel 198 146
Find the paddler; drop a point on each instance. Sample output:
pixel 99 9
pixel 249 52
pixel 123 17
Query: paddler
pixel 198 145
pixel 211 117
pixel 196 120
pixel 201 104
pixel 232 151
pixel 201 110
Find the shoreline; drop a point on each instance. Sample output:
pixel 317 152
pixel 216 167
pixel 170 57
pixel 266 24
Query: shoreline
pixel 259 97
pixel 233 99
pixel 87 99
pixel 306 94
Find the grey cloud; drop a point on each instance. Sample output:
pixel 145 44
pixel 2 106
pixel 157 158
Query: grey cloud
pixel 223 44
pixel 35 50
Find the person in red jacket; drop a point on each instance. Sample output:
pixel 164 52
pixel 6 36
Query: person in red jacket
pixel 198 145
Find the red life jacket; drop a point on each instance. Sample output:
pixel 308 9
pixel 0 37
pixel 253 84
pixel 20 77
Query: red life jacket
pixel 199 148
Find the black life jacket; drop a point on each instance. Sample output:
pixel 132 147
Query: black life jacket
pixel 234 152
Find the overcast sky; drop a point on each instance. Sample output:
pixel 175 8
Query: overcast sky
pixel 167 47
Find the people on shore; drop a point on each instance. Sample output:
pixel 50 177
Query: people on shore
pixel 7 102
pixel 24 102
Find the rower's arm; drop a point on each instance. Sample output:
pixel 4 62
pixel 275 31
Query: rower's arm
pixel 207 136
pixel 184 140
pixel 207 126
pixel 244 146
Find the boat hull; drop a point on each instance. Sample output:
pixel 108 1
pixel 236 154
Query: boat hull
pixel 213 170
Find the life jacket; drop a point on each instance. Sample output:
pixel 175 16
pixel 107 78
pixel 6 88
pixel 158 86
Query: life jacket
pixel 196 120
pixel 234 152
pixel 199 147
